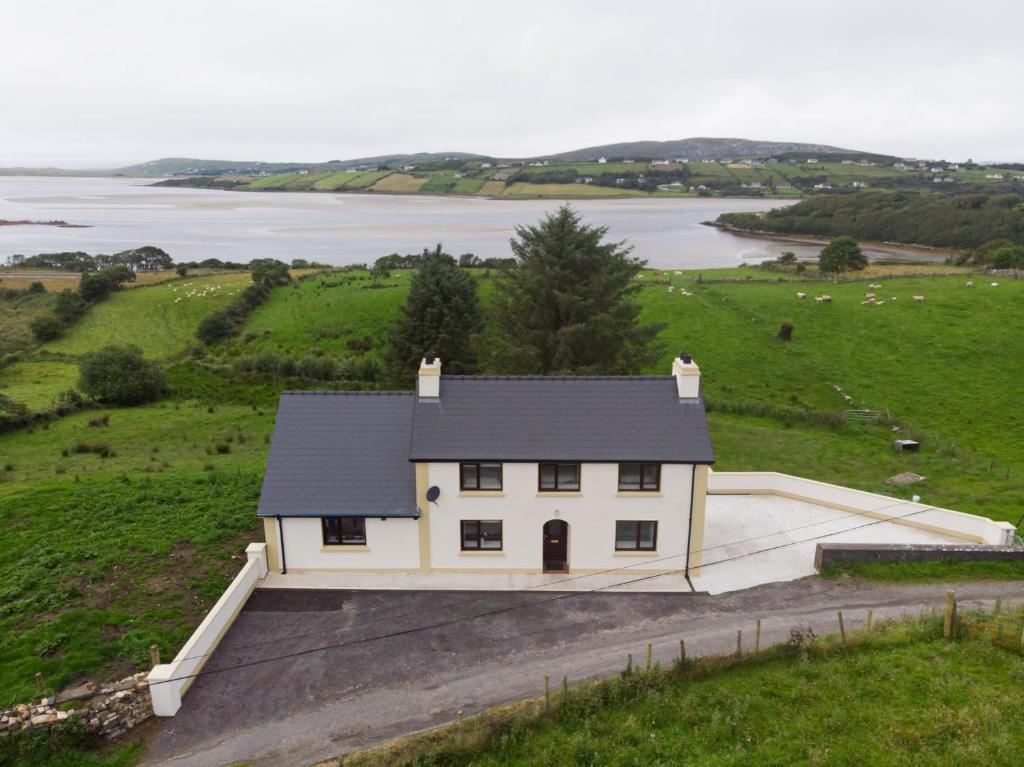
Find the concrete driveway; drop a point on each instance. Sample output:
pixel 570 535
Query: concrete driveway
pixel 335 687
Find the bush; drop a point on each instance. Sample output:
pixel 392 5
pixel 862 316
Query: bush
pixel 37 287
pixel 69 306
pixel 98 285
pixel 216 327
pixel 47 327
pixel 119 375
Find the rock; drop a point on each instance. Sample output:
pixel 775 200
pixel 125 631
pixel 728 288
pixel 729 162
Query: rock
pixel 43 719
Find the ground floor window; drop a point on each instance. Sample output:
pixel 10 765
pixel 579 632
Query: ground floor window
pixel 344 531
pixel 481 534
pixel 631 535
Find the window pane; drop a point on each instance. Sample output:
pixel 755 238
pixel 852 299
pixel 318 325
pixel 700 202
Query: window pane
pixel 490 476
pixel 490 534
pixel 469 535
pixel 332 533
pixel 469 476
pixel 547 476
pixel 568 476
pixel 652 472
pixel 353 530
pixel 625 535
pixel 629 476
pixel 647 530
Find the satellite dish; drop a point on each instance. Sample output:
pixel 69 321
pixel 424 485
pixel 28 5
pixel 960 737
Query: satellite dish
pixel 433 493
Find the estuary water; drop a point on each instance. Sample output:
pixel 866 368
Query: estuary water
pixel 195 224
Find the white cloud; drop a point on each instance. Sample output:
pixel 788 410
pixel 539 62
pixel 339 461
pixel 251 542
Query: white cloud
pixel 116 81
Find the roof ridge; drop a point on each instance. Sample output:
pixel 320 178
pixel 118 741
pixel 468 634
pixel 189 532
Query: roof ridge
pixel 328 392
pixel 557 378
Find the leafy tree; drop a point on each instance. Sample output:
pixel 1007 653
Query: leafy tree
pixel 469 261
pixel 441 314
pixel 182 271
pixel 98 285
pixel 47 327
pixel 842 254
pixel 119 375
pixel 569 306
pixel 69 306
pixel 380 271
pixel 270 272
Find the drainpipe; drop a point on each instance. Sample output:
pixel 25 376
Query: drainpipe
pixel 284 562
pixel 689 534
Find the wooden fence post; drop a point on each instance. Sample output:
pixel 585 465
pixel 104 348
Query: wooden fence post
pixel 629 663
pixel 39 681
pixel 757 636
pixel 682 651
pixel 154 655
pixel 842 628
pixel 867 626
pixel 999 605
pixel 647 661
pixel 739 644
pixel 947 625
pixel 547 692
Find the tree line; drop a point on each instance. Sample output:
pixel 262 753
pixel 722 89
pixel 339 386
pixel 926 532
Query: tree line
pixel 962 221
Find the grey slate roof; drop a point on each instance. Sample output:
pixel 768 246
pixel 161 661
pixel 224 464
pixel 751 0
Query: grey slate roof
pixel 341 453
pixel 352 453
pixel 578 418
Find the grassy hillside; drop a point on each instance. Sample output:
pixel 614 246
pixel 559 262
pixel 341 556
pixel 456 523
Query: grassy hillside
pixel 161 319
pixel 945 703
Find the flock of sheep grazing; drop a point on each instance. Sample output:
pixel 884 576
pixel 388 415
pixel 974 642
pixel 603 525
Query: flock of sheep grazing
pixel 872 298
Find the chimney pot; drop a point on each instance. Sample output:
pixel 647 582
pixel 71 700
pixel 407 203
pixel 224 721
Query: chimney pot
pixel 686 358
pixel 430 357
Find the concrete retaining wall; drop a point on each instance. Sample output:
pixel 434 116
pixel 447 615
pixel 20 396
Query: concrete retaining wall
pixel 830 553
pixel 968 527
pixel 168 682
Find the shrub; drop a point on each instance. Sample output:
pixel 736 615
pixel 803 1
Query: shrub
pixel 100 421
pixel 47 327
pixel 842 254
pixel 182 271
pixel 216 327
pixel 119 375
pixel 37 287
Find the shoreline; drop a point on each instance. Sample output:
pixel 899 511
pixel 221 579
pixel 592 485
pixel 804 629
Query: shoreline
pixel 58 224
pixel 880 250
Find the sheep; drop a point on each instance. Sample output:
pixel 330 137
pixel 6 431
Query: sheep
pixel 879 303
pixel 869 296
pixel 671 289
pixel 875 286
pixel 995 284
pixel 801 295
pixel 823 299
pixel 970 283
pixel 919 298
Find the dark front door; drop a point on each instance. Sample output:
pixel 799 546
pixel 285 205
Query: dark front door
pixel 556 546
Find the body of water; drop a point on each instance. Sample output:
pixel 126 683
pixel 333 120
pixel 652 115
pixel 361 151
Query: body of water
pixel 193 225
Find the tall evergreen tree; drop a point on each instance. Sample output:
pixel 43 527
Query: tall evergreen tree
pixel 441 314
pixel 568 307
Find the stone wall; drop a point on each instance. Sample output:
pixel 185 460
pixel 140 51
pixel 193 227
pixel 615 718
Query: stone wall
pixel 829 553
pixel 109 711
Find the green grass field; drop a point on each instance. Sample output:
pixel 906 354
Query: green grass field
pixel 400 183
pixel 161 319
pixel 567 191
pixel 941 571
pixel 899 698
pixel 36 384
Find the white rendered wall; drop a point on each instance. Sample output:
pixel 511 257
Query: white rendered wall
pixel 169 681
pixel 591 515
pixel 391 544
pixel 956 523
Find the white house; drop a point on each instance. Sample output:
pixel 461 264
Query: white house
pixel 489 474
pixel 602 160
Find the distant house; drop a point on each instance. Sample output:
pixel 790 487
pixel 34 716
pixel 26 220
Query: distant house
pixel 585 180
pixel 485 165
pixel 708 162
pixel 659 162
pixel 303 172
pixel 751 185
pixel 501 176
pixel 812 160
pixel 602 160
pixel 823 185
pixel 408 167
pixel 847 162
pixel 858 185
pixel 994 176
pixel 628 162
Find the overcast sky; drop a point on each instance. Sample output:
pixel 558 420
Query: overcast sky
pixel 112 82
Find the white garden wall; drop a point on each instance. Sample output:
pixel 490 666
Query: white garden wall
pixel 169 681
pixel 590 513
pixel 968 527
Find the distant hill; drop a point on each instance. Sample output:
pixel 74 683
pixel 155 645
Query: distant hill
pixel 189 166
pixel 702 149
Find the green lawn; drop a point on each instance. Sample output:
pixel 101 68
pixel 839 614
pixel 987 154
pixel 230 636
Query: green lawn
pixel 161 319
pixel 36 384
pixel 940 571
pixel 897 701
pixel 102 556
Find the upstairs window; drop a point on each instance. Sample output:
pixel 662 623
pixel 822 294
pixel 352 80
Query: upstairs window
pixel 640 476
pixel 344 531
pixel 481 535
pixel 631 535
pixel 559 477
pixel 480 476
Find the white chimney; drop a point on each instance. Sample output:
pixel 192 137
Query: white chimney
pixel 429 380
pixel 687 376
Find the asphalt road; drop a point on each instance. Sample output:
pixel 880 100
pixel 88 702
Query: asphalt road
pixel 327 700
